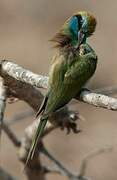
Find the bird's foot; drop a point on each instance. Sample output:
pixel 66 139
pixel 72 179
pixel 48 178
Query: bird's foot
pixel 66 119
pixel 70 123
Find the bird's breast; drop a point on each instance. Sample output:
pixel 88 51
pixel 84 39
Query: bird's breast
pixel 57 70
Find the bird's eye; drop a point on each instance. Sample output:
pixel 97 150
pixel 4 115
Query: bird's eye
pixel 80 21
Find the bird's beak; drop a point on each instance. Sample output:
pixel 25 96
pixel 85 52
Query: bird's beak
pixel 81 37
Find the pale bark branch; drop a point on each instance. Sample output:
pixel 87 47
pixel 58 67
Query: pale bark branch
pixel 25 76
pixel 99 100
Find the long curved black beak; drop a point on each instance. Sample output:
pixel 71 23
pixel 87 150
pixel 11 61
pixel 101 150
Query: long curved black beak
pixel 81 37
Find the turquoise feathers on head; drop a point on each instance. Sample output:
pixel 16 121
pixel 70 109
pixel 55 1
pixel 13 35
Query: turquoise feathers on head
pixel 80 25
pixel 73 25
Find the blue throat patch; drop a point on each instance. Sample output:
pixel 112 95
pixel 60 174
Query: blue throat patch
pixel 73 25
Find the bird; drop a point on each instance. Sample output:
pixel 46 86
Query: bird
pixel 73 65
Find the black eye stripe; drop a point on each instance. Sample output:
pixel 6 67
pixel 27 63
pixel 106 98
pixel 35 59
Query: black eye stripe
pixel 80 20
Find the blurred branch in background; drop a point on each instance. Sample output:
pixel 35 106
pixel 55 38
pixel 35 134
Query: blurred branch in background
pixel 5 175
pixel 22 84
pixel 11 135
pixel 2 102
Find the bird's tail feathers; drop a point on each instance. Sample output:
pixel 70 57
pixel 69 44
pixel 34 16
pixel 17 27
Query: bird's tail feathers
pixel 36 137
pixel 42 107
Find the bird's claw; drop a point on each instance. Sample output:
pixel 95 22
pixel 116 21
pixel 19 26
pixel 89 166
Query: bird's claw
pixel 66 120
pixel 70 124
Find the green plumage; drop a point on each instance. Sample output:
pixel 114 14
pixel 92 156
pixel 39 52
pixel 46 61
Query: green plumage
pixel 72 66
pixel 68 74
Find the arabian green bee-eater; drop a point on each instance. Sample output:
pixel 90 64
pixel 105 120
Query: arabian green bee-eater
pixel 70 68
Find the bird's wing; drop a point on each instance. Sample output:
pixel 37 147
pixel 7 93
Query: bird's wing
pixel 84 66
pixel 43 105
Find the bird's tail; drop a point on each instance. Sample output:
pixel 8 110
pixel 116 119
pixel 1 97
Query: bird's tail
pixel 40 129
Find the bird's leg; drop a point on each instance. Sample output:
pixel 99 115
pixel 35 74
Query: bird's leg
pixel 69 125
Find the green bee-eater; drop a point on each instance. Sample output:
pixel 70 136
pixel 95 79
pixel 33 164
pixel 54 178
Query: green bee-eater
pixel 70 68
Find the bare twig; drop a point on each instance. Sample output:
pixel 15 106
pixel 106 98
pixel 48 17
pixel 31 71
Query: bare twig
pixel 20 116
pixel 5 175
pixel 60 168
pixel 11 135
pixel 2 102
pixel 48 169
pixel 90 156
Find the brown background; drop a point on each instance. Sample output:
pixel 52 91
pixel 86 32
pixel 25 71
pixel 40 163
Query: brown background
pixel 25 28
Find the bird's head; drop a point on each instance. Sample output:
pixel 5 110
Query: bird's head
pixel 76 29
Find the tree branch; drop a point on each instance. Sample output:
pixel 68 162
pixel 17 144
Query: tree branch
pixel 59 167
pixel 99 100
pixel 18 73
pixel 11 135
pixel 21 74
pixel 5 175
pixel 91 155
pixel 2 102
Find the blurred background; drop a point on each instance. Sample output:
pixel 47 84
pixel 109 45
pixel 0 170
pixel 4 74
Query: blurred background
pixel 25 29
